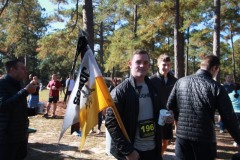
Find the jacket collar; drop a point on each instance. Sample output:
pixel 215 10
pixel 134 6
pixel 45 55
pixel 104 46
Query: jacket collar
pixel 13 81
pixel 132 81
pixel 161 76
pixel 204 72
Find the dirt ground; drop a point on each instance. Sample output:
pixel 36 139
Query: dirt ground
pixel 43 145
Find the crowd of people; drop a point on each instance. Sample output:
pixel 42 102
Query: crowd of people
pixel 191 102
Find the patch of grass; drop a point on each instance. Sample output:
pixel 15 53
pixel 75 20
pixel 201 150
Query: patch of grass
pixel 43 95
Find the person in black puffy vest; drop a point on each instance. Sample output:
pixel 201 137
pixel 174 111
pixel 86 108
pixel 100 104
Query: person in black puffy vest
pixel 194 100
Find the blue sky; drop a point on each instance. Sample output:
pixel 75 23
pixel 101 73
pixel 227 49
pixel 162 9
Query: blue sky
pixel 49 6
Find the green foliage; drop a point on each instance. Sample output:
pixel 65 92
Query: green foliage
pixel 121 46
pixel 21 27
pixel 55 64
pixel 23 32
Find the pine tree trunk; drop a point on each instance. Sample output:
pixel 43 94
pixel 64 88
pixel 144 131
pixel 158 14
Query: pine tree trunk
pixel 216 33
pixel 135 20
pixel 178 44
pixel 101 52
pixel 88 21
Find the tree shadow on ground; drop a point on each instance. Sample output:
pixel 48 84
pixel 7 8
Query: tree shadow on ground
pixel 102 134
pixel 39 151
pixel 225 148
pixel 54 117
pixel 225 152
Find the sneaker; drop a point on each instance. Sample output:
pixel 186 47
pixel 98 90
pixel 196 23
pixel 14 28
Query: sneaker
pixel 79 134
pixel 221 131
pixel 92 131
pixel 75 133
pixel 45 115
pixel 235 144
pixel 99 131
pixel 31 130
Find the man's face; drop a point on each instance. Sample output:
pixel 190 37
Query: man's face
pixel 139 65
pixel 30 77
pixel 228 78
pixel 54 77
pixel 164 67
pixel 19 73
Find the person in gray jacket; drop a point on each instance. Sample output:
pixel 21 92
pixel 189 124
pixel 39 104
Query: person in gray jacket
pixel 14 112
pixel 194 100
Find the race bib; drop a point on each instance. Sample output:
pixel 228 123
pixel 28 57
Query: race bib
pixel 146 128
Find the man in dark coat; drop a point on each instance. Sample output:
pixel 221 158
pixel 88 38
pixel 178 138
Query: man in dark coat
pixel 13 112
pixel 138 105
pixel 194 100
pixel 164 81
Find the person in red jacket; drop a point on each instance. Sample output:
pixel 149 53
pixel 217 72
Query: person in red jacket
pixel 54 86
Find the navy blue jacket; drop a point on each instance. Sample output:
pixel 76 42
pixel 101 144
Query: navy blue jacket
pixel 13 111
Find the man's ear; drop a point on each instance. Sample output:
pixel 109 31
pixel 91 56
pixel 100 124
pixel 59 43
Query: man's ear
pixel 216 68
pixel 214 71
pixel 129 63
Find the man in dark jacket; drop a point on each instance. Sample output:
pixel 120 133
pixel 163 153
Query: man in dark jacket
pixel 164 82
pixel 138 105
pixel 229 86
pixel 194 100
pixel 13 112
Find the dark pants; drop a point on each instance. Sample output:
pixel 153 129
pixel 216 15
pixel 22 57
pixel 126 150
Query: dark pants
pixel 99 120
pixel 238 117
pixel 149 155
pixel 191 150
pixel 167 132
pixel 236 156
pixel 221 124
pixel 75 128
pixel 14 151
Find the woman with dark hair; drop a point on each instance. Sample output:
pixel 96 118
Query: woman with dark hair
pixel 235 99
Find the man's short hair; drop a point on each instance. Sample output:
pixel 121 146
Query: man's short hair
pixel 163 58
pixel 227 76
pixel 11 63
pixel 209 61
pixel 139 51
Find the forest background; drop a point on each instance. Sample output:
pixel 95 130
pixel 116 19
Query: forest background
pixel 184 29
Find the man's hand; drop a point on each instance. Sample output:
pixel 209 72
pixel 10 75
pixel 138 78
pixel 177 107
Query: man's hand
pixel 31 88
pixel 169 119
pixel 133 156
